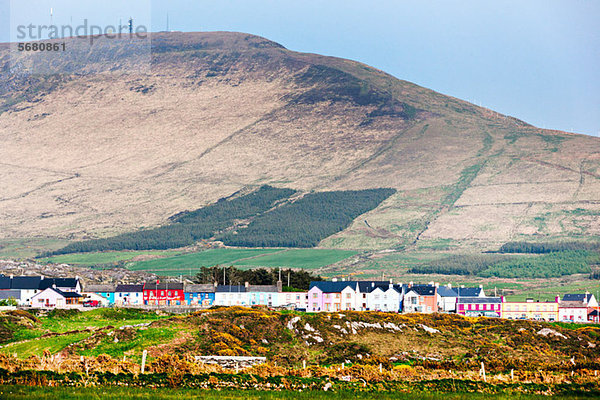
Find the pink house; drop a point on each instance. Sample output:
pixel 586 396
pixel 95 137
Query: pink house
pixel 479 306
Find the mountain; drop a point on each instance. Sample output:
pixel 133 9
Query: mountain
pixel 106 148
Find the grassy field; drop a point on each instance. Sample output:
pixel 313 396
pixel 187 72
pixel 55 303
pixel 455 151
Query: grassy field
pixel 103 258
pixel 299 258
pixel 118 393
pixel 68 321
pixel 190 263
pixel 18 249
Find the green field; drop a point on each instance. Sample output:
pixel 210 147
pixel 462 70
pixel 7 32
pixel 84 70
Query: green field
pixel 103 258
pixel 18 249
pixel 63 321
pixel 189 264
pixel 118 393
pixel 299 258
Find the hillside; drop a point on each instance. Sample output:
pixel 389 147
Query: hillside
pixel 434 341
pixel 91 154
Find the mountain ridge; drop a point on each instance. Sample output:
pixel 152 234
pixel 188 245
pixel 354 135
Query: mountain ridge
pixel 87 156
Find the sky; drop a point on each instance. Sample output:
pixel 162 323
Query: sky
pixel 537 60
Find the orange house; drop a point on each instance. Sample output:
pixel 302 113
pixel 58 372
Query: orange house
pixel 420 299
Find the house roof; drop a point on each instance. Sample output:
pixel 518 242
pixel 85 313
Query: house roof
pixel 4 282
pixel 129 288
pixel 60 292
pixel 479 300
pixel 445 291
pixel 163 286
pixel 468 291
pixel 422 290
pixel 100 288
pixel 199 288
pixel 332 287
pixel 26 282
pixel 577 297
pixel 231 288
pixel 263 288
pixel 572 304
pixel 368 286
pixel 593 313
pixel 59 282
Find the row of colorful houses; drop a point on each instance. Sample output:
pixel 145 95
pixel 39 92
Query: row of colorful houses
pixel 468 301
pixel 323 296
pixel 200 295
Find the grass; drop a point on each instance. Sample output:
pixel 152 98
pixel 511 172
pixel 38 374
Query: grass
pixel 191 263
pixel 300 258
pixel 142 339
pixel 118 393
pixel 97 318
pixel 62 321
pixel 38 346
pixel 23 248
pixel 188 264
pixel 103 258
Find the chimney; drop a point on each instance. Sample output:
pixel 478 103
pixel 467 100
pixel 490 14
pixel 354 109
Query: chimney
pixel 54 286
pixel 557 299
pixel 42 277
pixel 410 284
pixel 334 280
pixel 11 277
pixel 216 284
pixel 392 281
pixel 502 299
pixel 279 286
pixel 449 286
pixel 585 298
pixel 480 286
pixel 437 284
pixel 246 284
pixel 372 284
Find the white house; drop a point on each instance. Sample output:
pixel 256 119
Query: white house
pixel 55 298
pixel 93 296
pixel 231 295
pixel 298 299
pixel 129 295
pixel 385 298
pixel 446 298
pixel 575 307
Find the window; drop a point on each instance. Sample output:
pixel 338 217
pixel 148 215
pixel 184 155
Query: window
pixel 348 295
pixel 315 296
pixel 337 295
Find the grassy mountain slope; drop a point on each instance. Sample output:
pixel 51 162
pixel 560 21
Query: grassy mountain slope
pixel 93 154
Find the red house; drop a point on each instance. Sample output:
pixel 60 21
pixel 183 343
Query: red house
pixel 164 294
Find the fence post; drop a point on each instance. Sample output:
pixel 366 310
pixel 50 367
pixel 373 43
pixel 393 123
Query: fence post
pixel 512 375
pixel 483 372
pixel 303 364
pixel 144 355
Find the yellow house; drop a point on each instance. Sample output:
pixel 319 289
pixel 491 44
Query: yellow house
pixel 536 310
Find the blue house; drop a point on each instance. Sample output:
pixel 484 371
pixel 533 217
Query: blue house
pixel 106 291
pixel 199 295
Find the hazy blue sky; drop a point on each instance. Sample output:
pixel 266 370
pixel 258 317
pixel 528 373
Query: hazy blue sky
pixel 538 60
